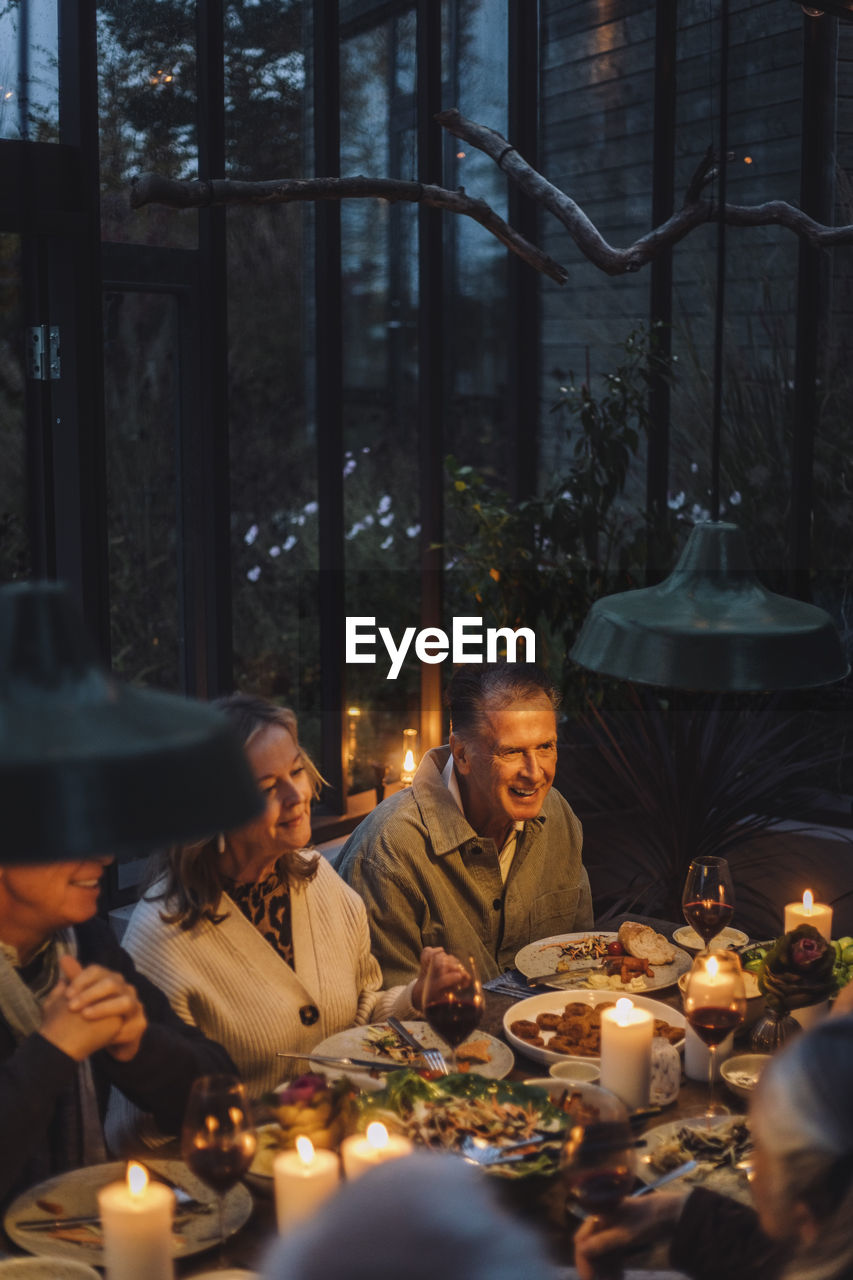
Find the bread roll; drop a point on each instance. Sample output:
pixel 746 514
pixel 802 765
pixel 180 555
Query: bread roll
pixel 641 940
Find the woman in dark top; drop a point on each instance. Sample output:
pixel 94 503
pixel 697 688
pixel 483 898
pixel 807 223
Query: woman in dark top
pixel 802 1224
pixel 76 1018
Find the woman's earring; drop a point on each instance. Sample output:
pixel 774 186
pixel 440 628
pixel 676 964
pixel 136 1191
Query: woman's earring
pixel 220 843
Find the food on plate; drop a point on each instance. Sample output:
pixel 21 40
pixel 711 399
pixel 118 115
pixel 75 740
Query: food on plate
pixel 641 941
pixel 715 1147
pixel 383 1041
pixel 592 947
pixel 576 1030
pixel 313 1106
pixel 472 1051
pixel 441 1113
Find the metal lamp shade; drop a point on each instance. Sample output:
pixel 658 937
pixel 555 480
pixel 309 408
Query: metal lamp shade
pixel 711 625
pixel 91 766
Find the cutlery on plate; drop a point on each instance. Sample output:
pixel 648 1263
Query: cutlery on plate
pixel 580 973
pixel 83 1220
pixel 682 1169
pixel 478 1151
pixel 370 1064
pixel 183 1199
pixel 432 1057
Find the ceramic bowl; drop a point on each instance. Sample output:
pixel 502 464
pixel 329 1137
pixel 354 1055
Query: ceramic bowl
pixel 742 1070
pixel 576 1070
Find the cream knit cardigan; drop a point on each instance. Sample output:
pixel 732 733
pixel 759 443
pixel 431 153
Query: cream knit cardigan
pixel 231 983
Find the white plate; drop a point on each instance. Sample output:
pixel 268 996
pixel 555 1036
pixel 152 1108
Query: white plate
pixel 42 1269
pixel 555 1001
pixel 687 937
pixel 77 1192
pixel 355 1043
pixel 728 1181
pixel 543 956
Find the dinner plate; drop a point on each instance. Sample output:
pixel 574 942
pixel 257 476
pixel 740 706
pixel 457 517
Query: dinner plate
pixel 46 1269
pixel 727 1180
pixel 727 938
pixel 355 1042
pixel 76 1191
pixel 544 955
pixel 555 1001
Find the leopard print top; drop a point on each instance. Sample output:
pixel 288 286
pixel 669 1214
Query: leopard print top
pixel 266 905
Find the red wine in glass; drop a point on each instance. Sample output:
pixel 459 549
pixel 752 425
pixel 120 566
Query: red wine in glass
pixel 597 1165
pixel 453 1007
pixel 601 1190
pixel 218 1138
pixel 713 1025
pixel 708 900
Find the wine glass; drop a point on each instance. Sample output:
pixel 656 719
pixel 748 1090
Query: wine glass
pixel 708 900
pixel 453 1006
pixel 218 1138
pixel 597 1165
pixel 714 1004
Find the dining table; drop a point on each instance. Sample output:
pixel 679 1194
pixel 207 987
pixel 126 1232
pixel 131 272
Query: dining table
pixel 538 1200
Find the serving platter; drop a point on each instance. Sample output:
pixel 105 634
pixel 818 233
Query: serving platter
pixel 545 955
pixel 555 1001
pixel 359 1042
pixel 727 1180
pixel 77 1192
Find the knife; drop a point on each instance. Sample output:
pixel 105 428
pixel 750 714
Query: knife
pixel 83 1220
pixel 579 974
pixel 372 1064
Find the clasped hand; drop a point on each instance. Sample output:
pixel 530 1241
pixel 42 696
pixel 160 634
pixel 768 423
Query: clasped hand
pixel 90 1009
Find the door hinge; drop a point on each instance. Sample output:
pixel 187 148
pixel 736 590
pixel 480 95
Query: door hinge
pixel 43 352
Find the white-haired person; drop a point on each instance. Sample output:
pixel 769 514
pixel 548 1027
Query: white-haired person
pixel 802 1225
pixel 428 1216
pixel 254 937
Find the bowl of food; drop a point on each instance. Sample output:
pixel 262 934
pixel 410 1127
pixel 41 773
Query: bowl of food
pixel 755 1002
pixel 583 1103
pixel 741 1072
pixel 576 1070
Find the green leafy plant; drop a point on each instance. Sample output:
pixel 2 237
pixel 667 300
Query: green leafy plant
pixel 542 561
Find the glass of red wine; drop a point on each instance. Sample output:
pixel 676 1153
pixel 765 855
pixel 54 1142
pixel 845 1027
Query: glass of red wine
pixel 218 1138
pixel 714 1005
pixel 708 900
pixel 453 1006
pixel 597 1166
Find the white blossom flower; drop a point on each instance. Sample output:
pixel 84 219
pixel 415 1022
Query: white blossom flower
pixel 385 521
pixel 413 530
pixel 349 466
pixel 276 551
pixel 310 508
pixel 694 467
pixel 384 504
pixel 676 502
pixel 387 542
pixel 250 535
pixel 290 542
pixel 254 573
pixel 735 498
pixel 355 530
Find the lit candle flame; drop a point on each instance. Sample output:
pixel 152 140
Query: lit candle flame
pixel 305 1149
pixel 137 1178
pixel 808 902
pixel 624 1009
pixel 409 762
pixel 713 966
pixel 377 1135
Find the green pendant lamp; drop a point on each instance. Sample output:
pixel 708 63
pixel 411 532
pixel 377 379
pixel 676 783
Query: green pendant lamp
pixel 91 766
pixel 711 625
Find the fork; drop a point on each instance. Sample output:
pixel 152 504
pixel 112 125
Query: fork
pixel 432 1057
pixel 479 1151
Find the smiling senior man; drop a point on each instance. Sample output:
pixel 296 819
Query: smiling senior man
pixel 480 855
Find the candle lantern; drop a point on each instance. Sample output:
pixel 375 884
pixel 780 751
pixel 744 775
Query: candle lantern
pixel 410 756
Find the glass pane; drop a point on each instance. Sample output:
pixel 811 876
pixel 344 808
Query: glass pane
pixel 273 440
pixel 14 535
pixel 147 98
pixel 380 299
pixel 142 406
pixel 29 70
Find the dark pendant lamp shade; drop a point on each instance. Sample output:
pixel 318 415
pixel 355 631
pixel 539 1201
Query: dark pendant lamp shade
pixel 711 625
pixel 91 766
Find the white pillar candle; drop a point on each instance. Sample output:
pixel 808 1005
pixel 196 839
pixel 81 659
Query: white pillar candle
pixel 626 1052
pixel 360 1153
pixel 137 1223
pixel 809 912
pixel 303 1178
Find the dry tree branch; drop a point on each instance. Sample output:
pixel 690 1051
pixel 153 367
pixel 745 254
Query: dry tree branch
pixel 621 261
pixel 150 188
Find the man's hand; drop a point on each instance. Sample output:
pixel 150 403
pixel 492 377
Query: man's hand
pixel 446 967
pixel 93 1008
